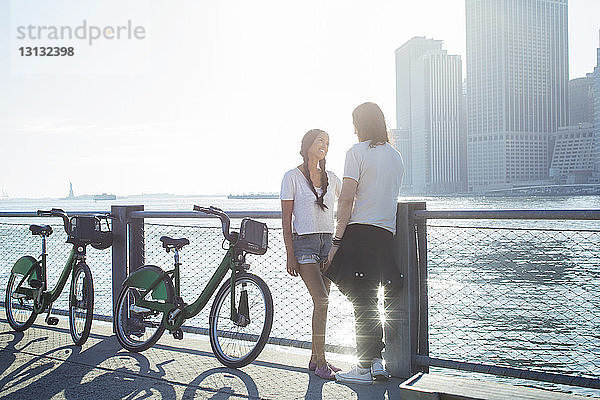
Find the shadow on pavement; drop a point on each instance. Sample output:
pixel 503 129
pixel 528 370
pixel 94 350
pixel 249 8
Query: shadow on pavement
pixel 81 375
pixel 375 391
pixel 224 379
pixel 103 370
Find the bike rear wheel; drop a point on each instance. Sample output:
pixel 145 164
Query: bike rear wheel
pixel 19 307
pixel 238 343
pixel 139 329
pixel 81 304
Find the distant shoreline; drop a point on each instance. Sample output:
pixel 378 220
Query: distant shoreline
pixel 516 193
pixel 119 197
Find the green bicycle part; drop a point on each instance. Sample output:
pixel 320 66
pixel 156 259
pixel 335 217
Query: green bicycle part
pixel 197 306
pixel 211 287
pixel 24 264
pixel 33 269
pixel 29 268
pixel 50 296
pixel 154 292
pixel 243 307
pixel 234 313
pixel 149 279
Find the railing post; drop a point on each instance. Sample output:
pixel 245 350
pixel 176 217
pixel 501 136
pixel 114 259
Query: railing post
pixel 402 304
pixel 120 252
pixel 137 254
pixel 423 332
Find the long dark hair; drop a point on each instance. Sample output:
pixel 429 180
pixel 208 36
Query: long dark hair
pixel 370 124
pixel 307 141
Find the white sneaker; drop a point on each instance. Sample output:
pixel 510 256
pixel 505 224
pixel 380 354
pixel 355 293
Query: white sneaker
pixel 378 370
pixel 355 375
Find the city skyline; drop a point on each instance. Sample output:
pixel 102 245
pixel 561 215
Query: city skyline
pixel 211 83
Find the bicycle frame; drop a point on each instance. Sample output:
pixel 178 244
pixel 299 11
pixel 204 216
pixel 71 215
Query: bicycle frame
pixel 47 297
pixel 227 263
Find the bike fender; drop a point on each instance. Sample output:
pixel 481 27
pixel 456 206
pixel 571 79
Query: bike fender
pixel 24 264
pixel 144 277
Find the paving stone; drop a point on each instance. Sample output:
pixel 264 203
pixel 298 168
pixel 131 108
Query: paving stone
pixel 42 362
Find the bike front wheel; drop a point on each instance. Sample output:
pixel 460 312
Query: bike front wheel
pixel 138 328
pixel 19 307
pixel 238 343
pixel 81 304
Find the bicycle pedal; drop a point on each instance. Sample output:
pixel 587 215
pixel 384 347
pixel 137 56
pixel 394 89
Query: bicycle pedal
pixel 52 321
pixel 36 283
pixel 178 334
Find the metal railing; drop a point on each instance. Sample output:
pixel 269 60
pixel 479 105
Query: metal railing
pixel 16 241
pixel 292 303
pixel 504 296
pixel 509 298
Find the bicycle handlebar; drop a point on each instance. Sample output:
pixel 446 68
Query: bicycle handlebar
pixel 222 216
pixel 57 212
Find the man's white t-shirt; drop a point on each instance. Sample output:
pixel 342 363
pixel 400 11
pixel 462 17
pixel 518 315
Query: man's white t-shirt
pixel 307 216
pixel 378 171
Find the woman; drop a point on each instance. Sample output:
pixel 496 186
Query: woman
pixel 362 253
pixel 307 200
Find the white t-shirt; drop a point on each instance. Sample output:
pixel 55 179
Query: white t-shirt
pixel 307 216
pixel 378 171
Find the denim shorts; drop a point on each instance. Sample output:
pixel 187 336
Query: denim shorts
pixel 311 248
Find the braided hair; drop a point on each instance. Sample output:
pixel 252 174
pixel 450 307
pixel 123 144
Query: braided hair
pixel 307 141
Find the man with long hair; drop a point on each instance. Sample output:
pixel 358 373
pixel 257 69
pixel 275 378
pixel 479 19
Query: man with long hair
pixel 361 258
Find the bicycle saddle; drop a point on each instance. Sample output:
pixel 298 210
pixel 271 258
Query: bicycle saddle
pixel 170 243
pixel 42 230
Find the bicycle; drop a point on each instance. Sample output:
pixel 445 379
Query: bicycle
pixel 150 301
pixel 27 293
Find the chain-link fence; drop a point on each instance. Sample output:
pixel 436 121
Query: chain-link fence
pixel 16 241
pixel 291 300
pixel 515 297
pixel 522 297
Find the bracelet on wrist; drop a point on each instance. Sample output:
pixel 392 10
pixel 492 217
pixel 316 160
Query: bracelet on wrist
pixel 336 241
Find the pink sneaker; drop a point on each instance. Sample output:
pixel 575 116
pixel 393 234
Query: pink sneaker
pixel 325 372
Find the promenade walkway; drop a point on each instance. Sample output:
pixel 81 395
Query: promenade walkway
pixel 43 363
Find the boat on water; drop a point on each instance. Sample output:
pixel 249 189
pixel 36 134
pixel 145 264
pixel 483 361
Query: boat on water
pixel 104 196
pixel 247 196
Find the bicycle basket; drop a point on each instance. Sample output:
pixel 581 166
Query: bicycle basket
pixel 253 237
pixel 88 230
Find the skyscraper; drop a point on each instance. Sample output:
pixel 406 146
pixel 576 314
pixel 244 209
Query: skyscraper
pixel 581 100
pixel 406 55
pixel 399 138
pixel 596 78
pixel 517 92
pixel 429 105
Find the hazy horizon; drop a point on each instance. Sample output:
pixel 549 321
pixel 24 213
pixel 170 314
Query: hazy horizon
pixel 217 96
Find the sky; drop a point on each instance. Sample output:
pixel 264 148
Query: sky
pixel 216 96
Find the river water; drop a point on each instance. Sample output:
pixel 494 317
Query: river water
pixel 184 203
pixel 523 294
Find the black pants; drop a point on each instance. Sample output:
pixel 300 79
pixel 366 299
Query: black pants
pixel 364 259
pixel 367 319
